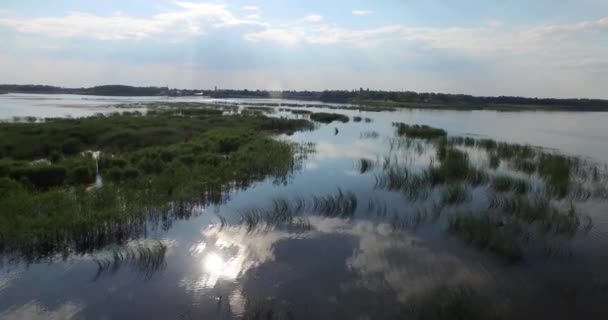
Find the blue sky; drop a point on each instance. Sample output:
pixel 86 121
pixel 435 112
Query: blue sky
pixel 548 48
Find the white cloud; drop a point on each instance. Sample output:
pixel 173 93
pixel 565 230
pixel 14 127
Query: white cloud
pixel 251 8
pixel 362 12
pixel 559 52
pixel 253 17
pixel 313 18
pixel 189 19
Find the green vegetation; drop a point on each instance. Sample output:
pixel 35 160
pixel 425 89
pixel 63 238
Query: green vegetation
pixel 419 131
pixel 451 303
pixel 555 169
pixel 521 211
pixel 455 194
pixel 485 233
pixel 374 100
pixel 369 135
pixel 365 165
pixel 289 212
pixel 507 183
pixel 324 117
pixel 163 161
pixel 146 260
pixel 408 99
pixel 261 109
pixel 302 112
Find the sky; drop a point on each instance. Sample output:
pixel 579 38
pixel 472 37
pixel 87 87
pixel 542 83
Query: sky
pixel 540 48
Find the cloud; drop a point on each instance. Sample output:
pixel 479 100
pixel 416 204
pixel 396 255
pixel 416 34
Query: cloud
pixel 362 12
pixel 187 20
pixel 313 18
pixel 251 8
pixel 253 17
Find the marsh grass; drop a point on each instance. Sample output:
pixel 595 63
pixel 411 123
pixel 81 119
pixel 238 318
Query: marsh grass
pixel 299 111
pixel 290 213
pixel 168 160
pixel 508 183
pixel 327 118
pixel 563 176
pixel 365 165
pixel 521 212
pixel 369 135
pixel 453 194
pixel 416 218
pixel 555 169
pixel 452 303
pixel 489 234
pixel 538 211
pixel 146 260
pixel 261 109
pixel 419 131
pixel 493 160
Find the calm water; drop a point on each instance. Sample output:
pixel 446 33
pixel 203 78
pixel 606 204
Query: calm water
pixel 338 268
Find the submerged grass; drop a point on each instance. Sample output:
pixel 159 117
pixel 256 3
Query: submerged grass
pixel 291 212
pixel 365 165
pixel 451 303
pixel 508 183
pixel 486 233
pixel 146 260
pixel 454 194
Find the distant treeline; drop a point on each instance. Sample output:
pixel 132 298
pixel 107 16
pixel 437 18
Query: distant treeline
pixel 406 99
pixel 414 98
pixel 110 90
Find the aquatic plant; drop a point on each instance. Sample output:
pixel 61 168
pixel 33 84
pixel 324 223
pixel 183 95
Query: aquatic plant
pixel 508 183
pixel 419 131
pixel 299 111
pixel 555 169
pixel 369 135
pixel 452 303
pixel 324 117
pixel 453 194
pixel 261 109
pixel 145 259
pixel 365 165
pixel 199 160
pixel 488 234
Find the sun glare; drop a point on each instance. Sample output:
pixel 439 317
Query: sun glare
pixel 214 263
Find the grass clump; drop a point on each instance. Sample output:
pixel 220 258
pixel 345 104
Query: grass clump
pixel 419 131
pixel 197 159
pixel 144 259
pixel 299 111
pixel 451 303
pixel 507 183
pixel 555 169
pixel 454 194
pixel 324 117
pixel 487 234
pixel 365 165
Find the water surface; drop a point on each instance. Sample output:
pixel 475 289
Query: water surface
pixel 336 268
